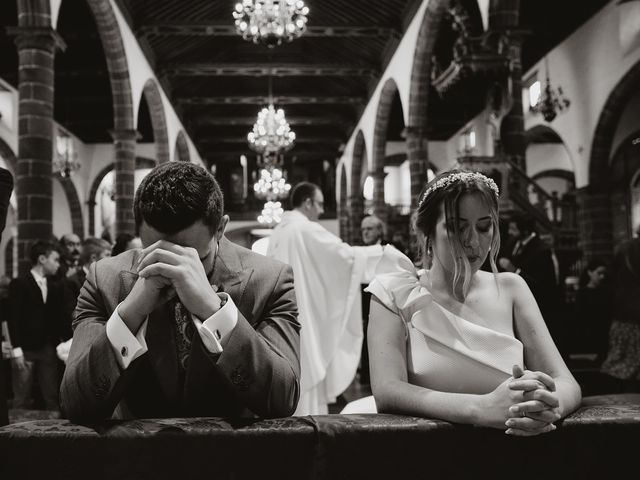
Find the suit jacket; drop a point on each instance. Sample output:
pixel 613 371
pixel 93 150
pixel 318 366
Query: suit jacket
pixel 34 324
pixel 71 290
pixel 6 187
pixel 256 374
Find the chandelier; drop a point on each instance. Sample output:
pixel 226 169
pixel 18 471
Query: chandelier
pixel 65 161
pixel 271 133
pixel 551 102
pixel 272 184
pixel 271 213
pixel 270 21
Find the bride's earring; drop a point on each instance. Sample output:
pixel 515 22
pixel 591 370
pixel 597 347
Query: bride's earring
pixel 429 250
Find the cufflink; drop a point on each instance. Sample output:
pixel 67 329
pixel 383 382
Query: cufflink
pixel 124 351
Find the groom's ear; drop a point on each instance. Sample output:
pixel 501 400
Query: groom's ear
pixel 221 228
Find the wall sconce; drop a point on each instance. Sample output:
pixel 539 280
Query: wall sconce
pixel 468 141
pixel 65 161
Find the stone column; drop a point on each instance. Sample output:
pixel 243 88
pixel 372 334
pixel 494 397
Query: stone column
pixel 379 206
pixel 504 16
pixel 418 156
pixel 125 166
pixel 594 223
pixel 356 212
pixel 34 190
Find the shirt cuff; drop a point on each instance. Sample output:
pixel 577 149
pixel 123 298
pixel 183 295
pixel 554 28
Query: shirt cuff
pixel 215 329
pixel 126 345
pixel 17 352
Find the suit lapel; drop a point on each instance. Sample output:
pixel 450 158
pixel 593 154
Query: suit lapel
pixel 228 274
pixel 160 341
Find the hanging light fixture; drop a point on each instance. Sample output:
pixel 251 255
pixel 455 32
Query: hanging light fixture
pixel 65 161
pixel 272 184
pixel 551 101
pixel 270 21
pixel 271 133
pixel 271 213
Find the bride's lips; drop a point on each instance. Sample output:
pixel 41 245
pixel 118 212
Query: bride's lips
pixel 473 258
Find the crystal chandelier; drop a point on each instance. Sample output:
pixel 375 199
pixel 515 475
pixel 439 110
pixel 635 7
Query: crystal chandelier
pixel 271 185
pixel 551 102
pixel 271 213
pixel 271 133
pixel 270 21
pixel 66 159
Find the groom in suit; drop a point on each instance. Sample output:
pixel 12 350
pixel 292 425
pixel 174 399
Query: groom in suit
pixel 191 325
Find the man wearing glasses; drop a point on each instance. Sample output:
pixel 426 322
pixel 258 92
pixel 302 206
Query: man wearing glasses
pixel 328 274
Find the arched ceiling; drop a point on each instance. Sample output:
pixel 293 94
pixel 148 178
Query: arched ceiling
pixel 218 81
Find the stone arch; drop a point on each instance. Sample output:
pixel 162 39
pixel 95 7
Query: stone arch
pixel 141 162
pixel 7 154
pixel 607 124
pixel 595 201
pixel 11 247
pixel 123 134
pixel 417 148
pixel 77 221
pixel 117 64
pixel 181 152
pixel 153 97
pixel 356 198
pixel 343 212
pixel 387 96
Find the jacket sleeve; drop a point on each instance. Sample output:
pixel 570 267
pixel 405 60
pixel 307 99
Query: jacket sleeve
pixel 262 364
pixel 92 384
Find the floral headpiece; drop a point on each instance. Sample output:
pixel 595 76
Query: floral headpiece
pixel 460 176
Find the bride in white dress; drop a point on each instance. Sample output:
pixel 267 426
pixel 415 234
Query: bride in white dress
pixel 457 343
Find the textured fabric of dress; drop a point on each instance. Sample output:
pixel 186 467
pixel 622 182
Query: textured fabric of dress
pixel 445 352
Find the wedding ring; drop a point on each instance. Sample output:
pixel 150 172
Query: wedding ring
pixel 524 414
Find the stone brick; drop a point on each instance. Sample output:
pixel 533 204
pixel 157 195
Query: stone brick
pixel 35 147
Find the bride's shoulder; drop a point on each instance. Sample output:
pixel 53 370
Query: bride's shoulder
pixel 511 283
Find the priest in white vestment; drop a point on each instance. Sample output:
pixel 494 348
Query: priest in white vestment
pixel 327 275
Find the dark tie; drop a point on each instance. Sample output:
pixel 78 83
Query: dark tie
pixel 184 330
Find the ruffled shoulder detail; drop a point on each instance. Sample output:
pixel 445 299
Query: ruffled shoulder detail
pixel 397 284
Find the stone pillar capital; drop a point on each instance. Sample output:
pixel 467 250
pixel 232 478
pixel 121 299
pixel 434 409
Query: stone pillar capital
pixel 414 132
pixel 123 135
pixel 378 174
pixel 45 38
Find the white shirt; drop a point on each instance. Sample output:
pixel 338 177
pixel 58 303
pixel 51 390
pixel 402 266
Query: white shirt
pixel 213 332
pixel 42 283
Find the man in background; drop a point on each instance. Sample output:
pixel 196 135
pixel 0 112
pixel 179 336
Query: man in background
pixel 6 187
pixel 328 274
pixel 35 319
pixel 70 246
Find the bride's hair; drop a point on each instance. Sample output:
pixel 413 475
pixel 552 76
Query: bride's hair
pixel 443 194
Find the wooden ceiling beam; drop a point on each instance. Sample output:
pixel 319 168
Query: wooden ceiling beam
pixel 242 139
pixel 268 69
pixel 229 30
pixel 250 120
pixel 277 100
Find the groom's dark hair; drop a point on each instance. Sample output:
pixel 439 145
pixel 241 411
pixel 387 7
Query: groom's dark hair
pixel 175 195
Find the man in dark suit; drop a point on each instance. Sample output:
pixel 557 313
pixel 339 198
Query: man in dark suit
pixel 6 187
pixel 532 258
pixel 191 325
pixel 35 319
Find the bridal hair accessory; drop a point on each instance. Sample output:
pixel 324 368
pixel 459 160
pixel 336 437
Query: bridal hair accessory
pixel 460 176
